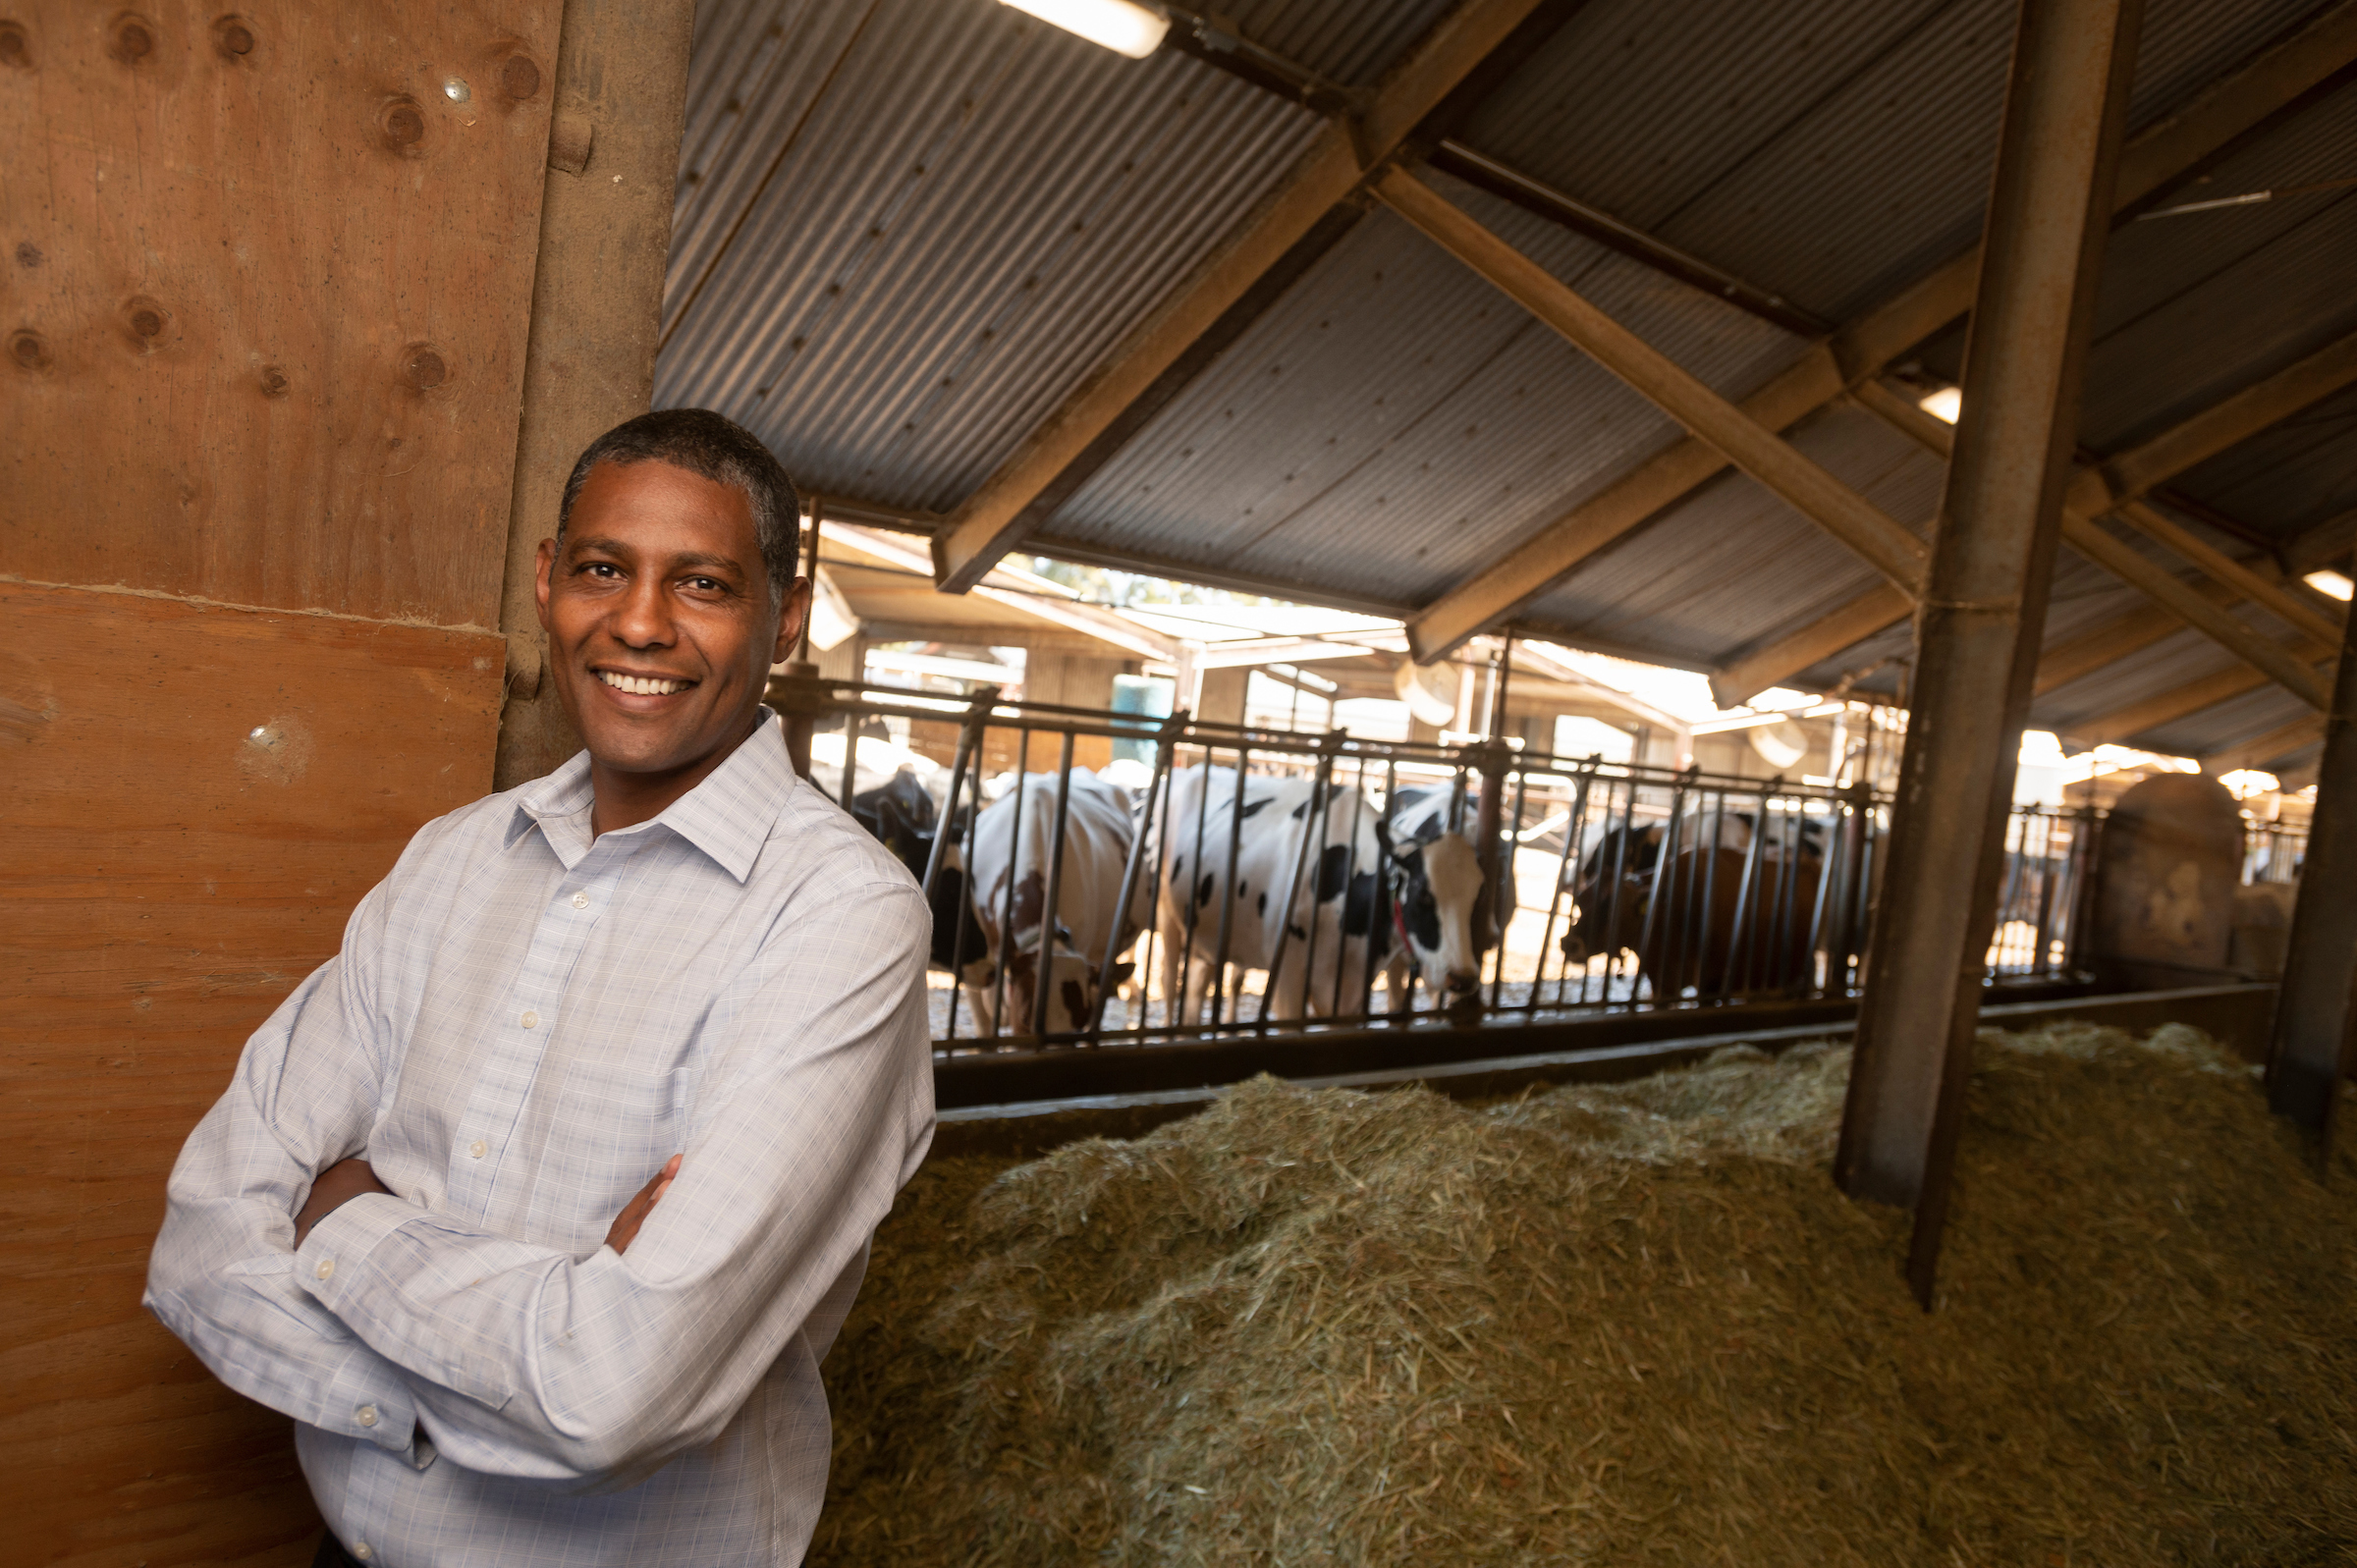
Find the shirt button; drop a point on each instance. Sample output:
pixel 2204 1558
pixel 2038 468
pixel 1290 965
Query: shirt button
pixel 581 900
pixel 326 1268
pixel 530 1019
pixel 365 1414
pixel 362 1550
pixel 479 1148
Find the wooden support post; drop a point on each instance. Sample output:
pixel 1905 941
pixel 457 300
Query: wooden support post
pixel 1977 633
pixel 2309 1053
pixel 621 94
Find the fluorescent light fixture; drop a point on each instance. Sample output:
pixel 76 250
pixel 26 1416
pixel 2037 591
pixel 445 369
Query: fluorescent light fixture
pixel 1944 404
pixel 2332 584
pixel 1120 25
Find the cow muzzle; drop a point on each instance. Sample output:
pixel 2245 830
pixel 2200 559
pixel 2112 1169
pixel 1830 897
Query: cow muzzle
pixel 1462 981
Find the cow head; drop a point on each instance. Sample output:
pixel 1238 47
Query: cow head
pixel 1613 880
pixel 1436 897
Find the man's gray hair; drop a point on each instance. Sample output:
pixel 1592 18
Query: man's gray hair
pixel 720 450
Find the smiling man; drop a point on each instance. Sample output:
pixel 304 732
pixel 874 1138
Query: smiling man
pixel 538 1204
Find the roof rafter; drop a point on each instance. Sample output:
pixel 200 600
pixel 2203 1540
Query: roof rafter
pixel 2114 483
pixel 2276 83
pixel 1887 546
pixel 1284 235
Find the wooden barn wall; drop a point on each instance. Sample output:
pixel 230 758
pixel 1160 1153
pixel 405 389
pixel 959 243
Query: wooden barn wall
pixel 264 283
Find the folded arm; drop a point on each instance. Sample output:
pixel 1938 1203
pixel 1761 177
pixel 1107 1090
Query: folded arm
pixel 529 1361
pixel 221 1274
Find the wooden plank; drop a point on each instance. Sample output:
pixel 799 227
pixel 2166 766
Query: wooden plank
pixel 290 283
pixel 1274 243
pixel 173 874
pixel 1750 445
pixel 2273 83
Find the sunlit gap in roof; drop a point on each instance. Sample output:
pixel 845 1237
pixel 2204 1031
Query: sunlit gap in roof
pixel 1944 404
pixel 1117 24
pixel 2332 584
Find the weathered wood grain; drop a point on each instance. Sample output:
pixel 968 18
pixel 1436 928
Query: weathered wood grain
pixel 265 310
pixel 172 874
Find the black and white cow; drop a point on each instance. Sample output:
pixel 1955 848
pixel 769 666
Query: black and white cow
pixel 1334 930
pixel 1001 901
pixel 1437 891
pixel 902 816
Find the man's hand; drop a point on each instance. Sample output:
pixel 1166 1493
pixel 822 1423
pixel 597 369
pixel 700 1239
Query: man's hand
pixel 337 1185
pixel 625 1229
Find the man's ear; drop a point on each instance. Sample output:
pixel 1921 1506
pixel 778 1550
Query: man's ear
pixel 542 573
pixel 790 616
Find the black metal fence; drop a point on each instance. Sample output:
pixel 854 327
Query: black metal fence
pixel 1083 896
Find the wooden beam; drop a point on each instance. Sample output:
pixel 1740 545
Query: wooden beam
pixel 2271 85
pixel 2233 420
pixel 1285 231
pixel 2253 647
pixel 2111 642
pixel 1878 607
pixel 2274 747
pixel 2124 723
pixel 2294 610
pixel 2089 494
pixel 1757 451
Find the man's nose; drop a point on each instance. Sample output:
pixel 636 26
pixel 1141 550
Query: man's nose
pixel 642 619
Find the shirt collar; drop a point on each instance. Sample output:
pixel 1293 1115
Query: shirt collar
pixel 728 816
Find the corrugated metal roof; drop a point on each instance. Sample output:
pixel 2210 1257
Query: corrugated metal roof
pixel 2294 477
pixel 907 229
pixel 936 257
pixel 1394 419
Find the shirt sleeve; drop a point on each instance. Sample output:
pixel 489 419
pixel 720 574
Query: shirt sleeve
pixel 221 1273
pixel 528 1362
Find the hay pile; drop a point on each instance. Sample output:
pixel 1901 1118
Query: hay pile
pixel 1623 1325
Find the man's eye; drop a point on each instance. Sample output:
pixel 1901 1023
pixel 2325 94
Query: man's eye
pixel 600 568
pixel 706 584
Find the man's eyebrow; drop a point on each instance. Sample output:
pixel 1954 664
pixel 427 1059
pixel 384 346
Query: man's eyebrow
pixel 684 559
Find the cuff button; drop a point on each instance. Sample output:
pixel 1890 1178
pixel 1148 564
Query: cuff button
pixel 326 1268
pixel 362 1550
pixel 365 1414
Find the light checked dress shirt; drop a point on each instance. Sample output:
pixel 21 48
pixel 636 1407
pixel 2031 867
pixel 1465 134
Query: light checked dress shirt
pixel 523 1025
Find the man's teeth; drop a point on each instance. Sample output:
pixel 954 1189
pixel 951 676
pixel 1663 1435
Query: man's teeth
pixel 642 685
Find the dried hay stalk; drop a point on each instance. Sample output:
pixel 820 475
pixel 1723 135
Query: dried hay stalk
pixel 1619 1324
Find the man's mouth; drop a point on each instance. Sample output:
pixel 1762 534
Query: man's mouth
pixel 642 685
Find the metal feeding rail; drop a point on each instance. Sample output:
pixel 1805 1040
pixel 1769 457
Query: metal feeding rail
pixel 1614 888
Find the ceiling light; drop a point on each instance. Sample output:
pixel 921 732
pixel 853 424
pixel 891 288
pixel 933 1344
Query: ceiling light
pixel 1944 405
pixel 2332 584
pixel 1120 25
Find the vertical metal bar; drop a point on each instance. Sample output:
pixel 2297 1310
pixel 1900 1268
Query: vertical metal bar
pixel 1566 888
pixel 1316 810
pixel 1047 914
pixel 1186 954
pixel 1739 943
pixel 1221 1000
pixel 847 785
pixel 1015 847
pixel 1511 845
pixel 2046 896
pixel 2309 1044
pixel 969 751
pixel 1664 865
pixel 967 911
pixel 1129 871
pixel 1379 920
pixel 1984 601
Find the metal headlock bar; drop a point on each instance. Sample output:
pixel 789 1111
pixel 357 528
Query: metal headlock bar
pixel 1606 887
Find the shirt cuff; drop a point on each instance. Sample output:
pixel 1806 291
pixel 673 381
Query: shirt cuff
pixel 332 1257
pixel 361 1401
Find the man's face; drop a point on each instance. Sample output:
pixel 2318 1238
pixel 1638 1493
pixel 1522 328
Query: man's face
pixel 661 630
